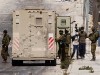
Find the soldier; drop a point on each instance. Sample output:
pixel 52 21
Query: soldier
pixel 67 42
pixel 61 51
pixel 5 43
pixel 93 37
pixel 82 42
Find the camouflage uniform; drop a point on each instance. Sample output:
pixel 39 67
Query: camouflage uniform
pixel 5 43
pixel 93 37
pixel 68 41
pixel 61 51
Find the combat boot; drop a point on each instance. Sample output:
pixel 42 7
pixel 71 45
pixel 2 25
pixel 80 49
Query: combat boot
pixel 93 59
pixel 4 61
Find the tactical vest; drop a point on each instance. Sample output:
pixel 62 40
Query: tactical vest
pixel 6 39
pixel 68 39
pixel 94 37
pixel 61 40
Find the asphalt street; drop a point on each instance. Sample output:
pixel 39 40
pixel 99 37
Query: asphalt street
pixel 38 69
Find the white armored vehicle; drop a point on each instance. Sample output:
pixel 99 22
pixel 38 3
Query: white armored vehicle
pixel 33 36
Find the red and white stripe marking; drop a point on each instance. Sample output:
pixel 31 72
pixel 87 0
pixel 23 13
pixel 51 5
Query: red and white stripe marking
pixel 16 43
pixel 51 43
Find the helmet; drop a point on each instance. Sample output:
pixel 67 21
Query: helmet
pixel 5 31
pixel 61 31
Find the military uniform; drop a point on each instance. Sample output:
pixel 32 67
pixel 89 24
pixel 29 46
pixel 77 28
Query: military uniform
pixel 93 37
pixel 61 51
pixel 68 41
pixel 5 43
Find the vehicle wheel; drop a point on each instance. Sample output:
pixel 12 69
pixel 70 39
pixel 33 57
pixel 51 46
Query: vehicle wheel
pixel 53 62
pixel 17 62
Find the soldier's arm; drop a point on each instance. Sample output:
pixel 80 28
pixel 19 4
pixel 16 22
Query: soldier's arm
pixel 69 39
pixel 90 36
pixel 60 38
pixel 97 34
pixel 57 39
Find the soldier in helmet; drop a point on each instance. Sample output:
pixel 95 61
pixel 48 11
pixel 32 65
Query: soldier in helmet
pixel 93 38
pixel 67 42
pixel 61 51
pixel 5 43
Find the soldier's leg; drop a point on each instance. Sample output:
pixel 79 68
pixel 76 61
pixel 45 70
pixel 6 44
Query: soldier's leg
pixel 4 55
pixel 93 49
pixel 7 51
pixel 94 57
pixel 63 53
pixel 59 52
pixel 63 60
pixel 66 51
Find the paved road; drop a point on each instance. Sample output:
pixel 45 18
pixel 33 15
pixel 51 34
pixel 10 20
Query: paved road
pixel 8 69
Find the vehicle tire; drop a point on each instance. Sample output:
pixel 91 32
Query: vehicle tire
pixel 53 62
pixel 17 62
